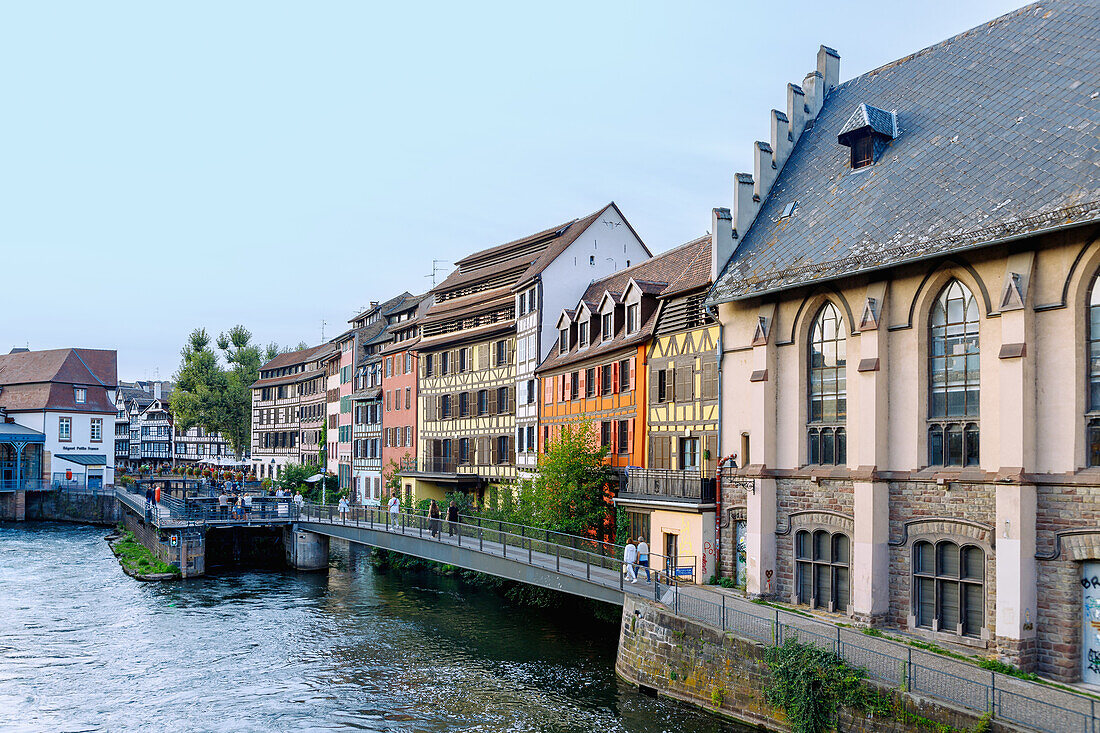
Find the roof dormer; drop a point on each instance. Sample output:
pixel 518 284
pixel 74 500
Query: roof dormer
pixel 867 132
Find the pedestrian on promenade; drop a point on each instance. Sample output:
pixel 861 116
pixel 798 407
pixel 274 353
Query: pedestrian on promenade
pixel 148 499
pixel 223 505
pixel 395 507
pixel 238 508
pixel 246 502
pixel 643 557
pixel 434 527
pixel 343 508
pixel 452 518
pixel 630 557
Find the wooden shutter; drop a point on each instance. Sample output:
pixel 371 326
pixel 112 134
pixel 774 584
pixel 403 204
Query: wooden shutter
pixel 633 384
pixel 482 356
pixel 494 451
pixel 599 380
pixel 710 443
pixel 581 392
pixel 614 436
pixel 511 399
pixel 630 437
pixel 710 380
pixel 511 450
pixel 614 377
pixel 492 401
pixel 654 383
pixel 547 390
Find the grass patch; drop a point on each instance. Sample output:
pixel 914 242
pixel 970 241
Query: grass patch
pixel 137 558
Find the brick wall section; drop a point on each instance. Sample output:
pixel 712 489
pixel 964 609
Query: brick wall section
pixel 732 496
pixel 697 664
pixel 1058 625
pixel 795 495
pixel 916 499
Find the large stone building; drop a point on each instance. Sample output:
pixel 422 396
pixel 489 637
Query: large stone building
pixel 476 364
pixel 908 299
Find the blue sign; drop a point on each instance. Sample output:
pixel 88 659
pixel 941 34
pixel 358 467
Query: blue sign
pixel 684 571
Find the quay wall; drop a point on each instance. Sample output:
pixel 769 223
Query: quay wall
pixel 59 506
pixel 725 674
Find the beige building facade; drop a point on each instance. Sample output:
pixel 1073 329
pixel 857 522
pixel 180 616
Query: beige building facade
pixel 910 348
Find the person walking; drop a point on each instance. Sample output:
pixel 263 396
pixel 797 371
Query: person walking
pixel 343 507
pixel 643 557
pixel 148 501
pixel 246 501
pixel 298 502
pixel 433 520
pixel 452 518
pixel 223 505
pixel 630 557
pixel 394 507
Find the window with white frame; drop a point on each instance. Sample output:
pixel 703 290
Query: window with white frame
pixel 80 395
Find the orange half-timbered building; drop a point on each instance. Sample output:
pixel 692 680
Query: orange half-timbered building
pixel 596 371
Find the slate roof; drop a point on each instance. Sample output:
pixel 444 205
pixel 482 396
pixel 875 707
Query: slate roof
pixel 865 115
pixel 998 138
pixel 294 357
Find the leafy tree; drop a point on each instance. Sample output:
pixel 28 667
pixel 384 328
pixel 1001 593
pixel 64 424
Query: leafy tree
pixel 219 399
pixel 571 491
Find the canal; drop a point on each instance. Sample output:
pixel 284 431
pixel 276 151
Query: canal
pixel 83 647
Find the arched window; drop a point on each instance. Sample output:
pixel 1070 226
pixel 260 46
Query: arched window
pixel 948 587
pixel 827 389
pixel 822 560
pixel 1093 325
pixel 953 385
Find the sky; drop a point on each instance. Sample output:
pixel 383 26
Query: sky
pixel 167 166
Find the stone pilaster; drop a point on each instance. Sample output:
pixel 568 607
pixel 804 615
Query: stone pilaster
pixel 760 522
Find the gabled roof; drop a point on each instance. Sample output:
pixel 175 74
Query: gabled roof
pixel 65 366
pixel 997 139
pixel 300 356
pixel 657 274
pixel 866 116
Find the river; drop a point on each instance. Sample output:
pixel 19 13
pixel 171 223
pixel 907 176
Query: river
pixel 83 647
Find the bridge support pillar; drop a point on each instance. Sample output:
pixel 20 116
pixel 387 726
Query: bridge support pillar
pixel 20 506
pixel 305 550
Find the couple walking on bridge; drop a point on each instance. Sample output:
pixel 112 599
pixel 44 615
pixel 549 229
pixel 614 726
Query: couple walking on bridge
pixel 636 556
pixel 435 523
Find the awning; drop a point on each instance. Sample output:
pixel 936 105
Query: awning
pixel 84 459
pixel 12 433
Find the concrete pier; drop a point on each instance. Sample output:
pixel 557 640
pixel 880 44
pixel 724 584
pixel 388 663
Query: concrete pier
pixel 306 550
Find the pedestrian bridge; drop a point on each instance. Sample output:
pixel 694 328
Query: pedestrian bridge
pixel 567 563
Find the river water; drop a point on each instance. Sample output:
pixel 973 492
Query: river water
pixel 83 647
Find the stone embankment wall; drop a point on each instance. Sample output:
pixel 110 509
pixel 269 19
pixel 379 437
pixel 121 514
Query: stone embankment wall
pixel 725 674
pixel 62 506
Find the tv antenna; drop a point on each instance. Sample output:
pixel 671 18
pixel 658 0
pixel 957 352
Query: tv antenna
pixel 435 270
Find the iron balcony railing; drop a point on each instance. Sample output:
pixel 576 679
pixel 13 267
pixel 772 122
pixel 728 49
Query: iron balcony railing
pixel 686 486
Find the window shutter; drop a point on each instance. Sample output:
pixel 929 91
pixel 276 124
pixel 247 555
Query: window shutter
pixel 710 380
pixel 633 384
pixel 495 447
pixel 615 377
pixel 599 380
pixel 511 450
pixel 482 356
pixel 630 437
pixel 614 436
pixel 548 391
pixel 654 381
pixel 581 392
pixel 560 379
pixel 454 361
pixel 492 402
pixel 511 400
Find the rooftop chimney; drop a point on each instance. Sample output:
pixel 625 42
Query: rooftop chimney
pixel 156 390
pixel 721 241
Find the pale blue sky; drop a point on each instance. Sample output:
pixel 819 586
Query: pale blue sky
pixel 173 165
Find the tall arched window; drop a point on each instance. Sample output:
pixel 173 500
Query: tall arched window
pixel 953 385
pixel 948 587
pixel 827 389
pixel 1093 356
pixel 822 560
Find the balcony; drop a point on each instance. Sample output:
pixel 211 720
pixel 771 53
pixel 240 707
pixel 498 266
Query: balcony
pixel 654 484
pixel 441 469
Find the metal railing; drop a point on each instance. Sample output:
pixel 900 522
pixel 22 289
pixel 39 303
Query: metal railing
pixel 1025 703
pixel 668 484
pixel 26 484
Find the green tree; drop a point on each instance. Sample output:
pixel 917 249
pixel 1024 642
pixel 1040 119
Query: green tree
pixel 243 359
pixel 571 492
pixel 200 385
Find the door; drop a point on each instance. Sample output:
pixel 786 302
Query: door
pixel 1090 623
pixel 95 481
pixel 740 566
pixel 672 542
